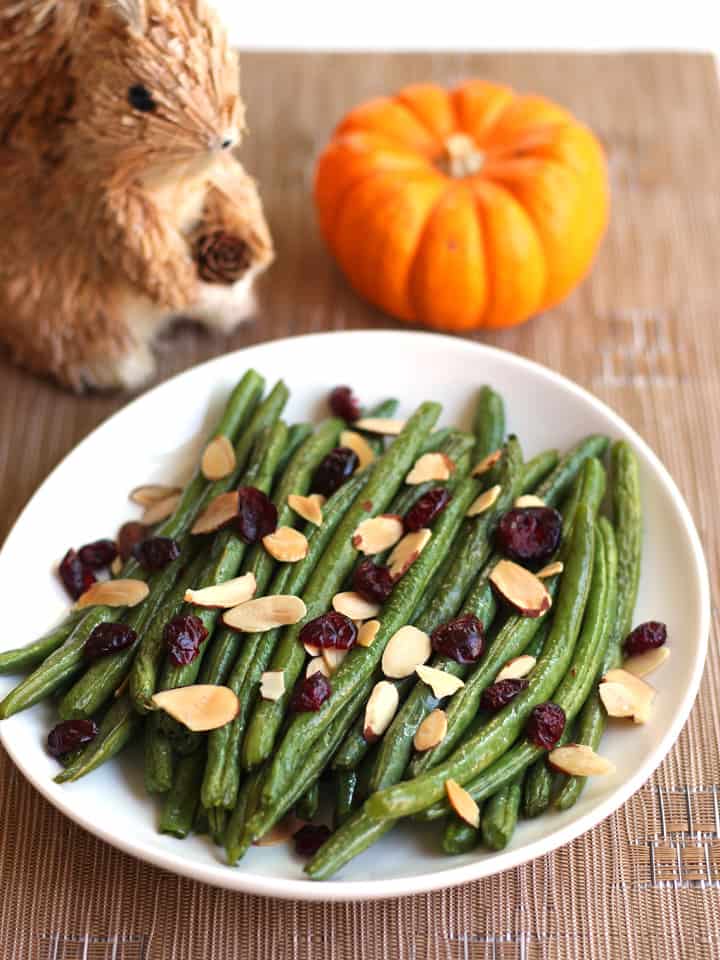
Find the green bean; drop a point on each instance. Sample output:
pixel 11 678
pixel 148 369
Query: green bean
pixel 437 438
pixel 27 658
pixel 307 806
pixel 297 434
pixel 553 487
pixel 181 804
pixel 345 788
pixel 500 815
pixel 159 761
pixel 459 836
pixel 538 782
pixel 118 727
pixel 488 423
pixel 536 469
pixel 355 835
pixel 246 801
pixel 217 823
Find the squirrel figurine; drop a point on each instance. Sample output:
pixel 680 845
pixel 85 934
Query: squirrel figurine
pixel 121 204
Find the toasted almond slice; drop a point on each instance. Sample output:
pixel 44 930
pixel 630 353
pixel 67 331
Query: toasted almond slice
pixel 377 533
pixel 430 466
pixel 384 425
pixel 161 509
pixel 352 605
pixel 123 687
pixel 200 707
pixel 333 658
pixel 359 445
pixel 286 545
pixel 221 510
pixel 224 595
pixel 407 648
pixel 272 684
pixel 487 463
pixel 309 508
pixel 551 570
pixel 462 803
pixel 443 684
pixel 283 831
pixel 381 708
pixel 317 665
pixel 265 613
pixel 406 552
pixel 114 593
pixel 579 760
pixel 218 459
pixel 640 692
pixel 484 501
pixel 643 663
pixel 367 633
pixel 149 493
pixel 522 589
pixel 431 731
pixel 117 565
pixel 312 650
pixel 617 700
pixel 517 668
pixel 528 500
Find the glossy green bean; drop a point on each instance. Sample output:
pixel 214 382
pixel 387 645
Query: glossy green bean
pixel 118 727
pixel 537 469
pixel 181 804
pixel 500 815
pixel 159 759
pixel 308 804
pixel 345 789
pixel 27 658
pixel 488 422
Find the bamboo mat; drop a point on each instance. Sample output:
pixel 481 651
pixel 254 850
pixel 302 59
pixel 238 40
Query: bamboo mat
pixel 641 334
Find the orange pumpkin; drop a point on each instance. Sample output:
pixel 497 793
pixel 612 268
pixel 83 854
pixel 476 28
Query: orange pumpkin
pixel 474 207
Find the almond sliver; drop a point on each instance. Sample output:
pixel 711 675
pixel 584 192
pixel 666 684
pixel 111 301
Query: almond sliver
pixel 640 693
pixel 442 683
pixel 579 760
pixel 486 463
pixel 221 510
pixel 528 500
pixel 643 663
pixel 380 710
pixel 407 550
pixel 218 459
pixel 406 650
pixel 521 588
pixel 265 613
pixel 224 595
pixel 161 509
pixel 377 533
pixel 333 657
pixel 286 545
pixel 517 668
pixel 309 508
pixel 617 700
pixel 317 665
pixel 114 593
pixel 431 731
pixel 484 501
pixel 551 570
pixel 430 466
pixel 352 605
pixel 384 425
pixel 200 707
pixel 149 493
pixel 367 633
pixel 359 445
pixel 272 684
pixel 462 803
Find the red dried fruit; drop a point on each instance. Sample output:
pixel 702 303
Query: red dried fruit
pixel 108 638
pixel 529 534
pixel 373 582
pixel 344 404
pixel 311 693
pixel 331 629
pixel 646 636
pixel 310 838
pixel 256 516
pixel 76 577
pixel 70 735
pixel 155 553
pixel 129 535
pixel 337 467
pixel 499 694
pixel 427 508
pixel 461 639
pixel 98 554
pixel 183 636
pixel 545 725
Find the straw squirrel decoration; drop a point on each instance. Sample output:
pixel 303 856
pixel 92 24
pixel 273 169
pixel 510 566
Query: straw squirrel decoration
pixel 121 204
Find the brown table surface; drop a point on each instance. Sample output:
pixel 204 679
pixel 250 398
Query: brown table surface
pixel 641 334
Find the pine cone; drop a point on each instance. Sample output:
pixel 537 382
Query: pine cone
pixel 221 257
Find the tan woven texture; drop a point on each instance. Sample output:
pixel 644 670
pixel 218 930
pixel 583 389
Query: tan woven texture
pixel 641 334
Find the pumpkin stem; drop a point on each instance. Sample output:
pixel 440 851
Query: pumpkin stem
pixel 463 156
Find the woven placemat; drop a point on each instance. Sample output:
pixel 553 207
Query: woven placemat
pixel 642 335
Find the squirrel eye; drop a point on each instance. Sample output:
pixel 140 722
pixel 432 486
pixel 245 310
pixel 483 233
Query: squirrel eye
pixel 140 98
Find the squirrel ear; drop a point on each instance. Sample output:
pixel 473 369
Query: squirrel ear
pixel 132 12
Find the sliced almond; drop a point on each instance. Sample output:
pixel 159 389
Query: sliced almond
pixel 639 692
pixel 286 545
pixel 265 613
pixel 354 606
pixel 200 707
pixel 406 552
pixel 643 663
pixel 528 500
pixel 407 648
pixel 551 570
pixel 377 533
pixel 221 510
pixel 522 589
pixel 224 595
pixel 579 760
pixel 359 445
pixel 381 708
pixel 312 650
pixel 484 501
pixel 218 459
pixel 430 466
pixel 367 633
pixel 283 831
pixel 333 657
pixel 431 731
pixel 123 687
pixel 272 684
pixel 462 803
pixel 384 425
pixel 309 508
pixel 487 463
pixel 517 668
pixel 317 665
pixel 617 700
pixel 443 684
pixel 150 493
pixel 114 593
pixel 161 509
pixel 117 565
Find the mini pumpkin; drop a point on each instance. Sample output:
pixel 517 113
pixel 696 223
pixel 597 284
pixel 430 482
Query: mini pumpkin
pixel 474 207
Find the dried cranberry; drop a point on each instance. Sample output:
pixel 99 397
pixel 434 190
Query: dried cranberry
pixel 183 636
pixel 76 577
pixel 155 553
pixel 129 535
pixel 334 470
pixel 545 726
pixel 344 404
pixel 257 515
pixel 98 554
pixel 108 638
pixel 427 508
pixel 461 639
pixel 311 694
pixel 499 694
pixel 529 534
pixel 310 838
pixel 330 630
pixel 646 636
pixel 373 582
pixel 70 735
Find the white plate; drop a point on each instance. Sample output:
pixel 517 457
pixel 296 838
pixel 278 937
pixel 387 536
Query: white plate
pixel 158 437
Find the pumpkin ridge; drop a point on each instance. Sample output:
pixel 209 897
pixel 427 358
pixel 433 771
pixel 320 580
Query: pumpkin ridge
pixel 412 293
pixel 431 133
